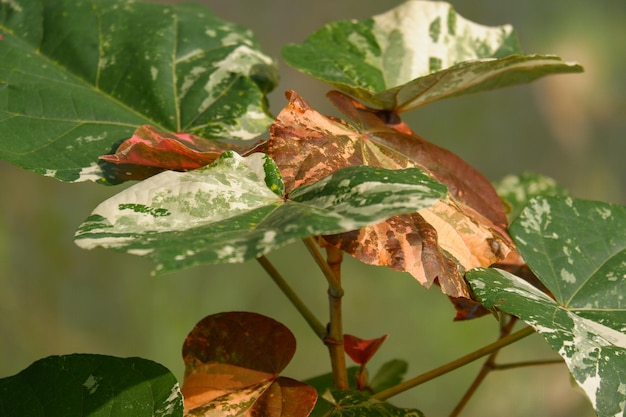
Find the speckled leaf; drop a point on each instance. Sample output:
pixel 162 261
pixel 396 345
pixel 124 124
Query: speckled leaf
pixel 349 403
pixel 77 78
pixel 84 385
pixel 518 190
pixel 417 53
pixel 234 210
pixel 232 363
pixel 466 229
pixel 577 248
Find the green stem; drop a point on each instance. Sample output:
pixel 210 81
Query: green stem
pixel 505 330
pixel 313 322
pixel 527 363
pixel 334 337
pixel 464 360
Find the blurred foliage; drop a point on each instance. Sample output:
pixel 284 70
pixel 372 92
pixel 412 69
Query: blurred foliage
pixel 56 298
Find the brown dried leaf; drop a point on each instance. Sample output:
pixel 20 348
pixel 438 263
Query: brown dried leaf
pixel 434 245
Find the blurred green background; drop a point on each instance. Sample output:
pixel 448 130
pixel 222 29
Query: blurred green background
pixel 57 299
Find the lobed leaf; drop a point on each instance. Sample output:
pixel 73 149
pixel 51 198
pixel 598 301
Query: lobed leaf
pixel 234 210
pixel 577 249
pixel 91 385
pixel 232 361
pixel 417 53
pixel 464 230
pixel 78 78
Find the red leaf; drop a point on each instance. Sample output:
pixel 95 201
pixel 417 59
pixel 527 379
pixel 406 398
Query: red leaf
pixel 232 361
pixel 360 350
pixel 436 245
pixel 150 147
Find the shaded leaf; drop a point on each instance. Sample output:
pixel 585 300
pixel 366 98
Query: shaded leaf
pixel 78 78
pixel 465 229
pixel 150 147
pixel 361 350
pixel 234 210
pixel 577 248
pixel 348 403
pixel 232 361
pixel 417 53
pixel 391 373
pixel 91 385
pixel 324 382
pixel 518 190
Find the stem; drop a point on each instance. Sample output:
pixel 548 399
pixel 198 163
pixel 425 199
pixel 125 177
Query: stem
pixel 334 337
pixel 527 363
pixel 313 322
pixel 464 360
pixel 488 366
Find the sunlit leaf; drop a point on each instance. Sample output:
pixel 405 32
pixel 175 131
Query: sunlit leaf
pixel 577 248
pixel 466 229
pixel 235 210
pixel 348 403
pixel 91 385
pixel 232 365
pixel 518 190
pixel 417 53
pixel 150 147
pixel 77 78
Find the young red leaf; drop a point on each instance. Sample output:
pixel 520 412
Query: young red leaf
pixel 361 350
pixel 435 245
pixel 232 361
pixel 150 147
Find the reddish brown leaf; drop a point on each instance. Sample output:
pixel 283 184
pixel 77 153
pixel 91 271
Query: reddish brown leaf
pixel 150 147
pixel 466 230
pixel 232 361
pixel 361 350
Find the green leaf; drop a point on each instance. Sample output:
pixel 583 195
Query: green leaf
pixel 518 190
pixel 349 403
pixel 390 373
pixel 417 53
pixel 78 78
pixel 230 212
pixel 577 248
pixel 91 385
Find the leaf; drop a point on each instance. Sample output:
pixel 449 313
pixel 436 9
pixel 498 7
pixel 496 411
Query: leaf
pixel 361 350
pixel 78 78
pixel 463 230
pixel 518 190
pixel 577 248
pixel 150 147
pixel 232 361
pixel 390 373
pixel 349 403
pixel 91 385
pixel 417 53
pixel 235 210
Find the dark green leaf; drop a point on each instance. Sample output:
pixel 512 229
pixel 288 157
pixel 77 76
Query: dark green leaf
pixel 577 248
pixel 91 385
pixel 77 78
pixel 417 53
pixel 230 212
pixel 390 373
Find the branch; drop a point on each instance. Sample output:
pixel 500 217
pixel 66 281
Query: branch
pixel 464 360
pixel 334 337
pixel 313 322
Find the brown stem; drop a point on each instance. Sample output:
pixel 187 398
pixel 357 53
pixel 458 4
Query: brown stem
pixel 506 366
pixel 334 338
pixel 462 361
